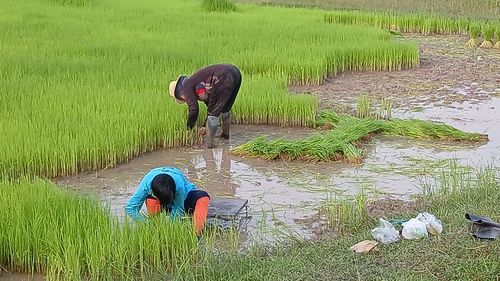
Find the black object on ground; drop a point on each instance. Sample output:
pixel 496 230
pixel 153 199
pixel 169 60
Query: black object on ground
pixel 228 212
pixel 484 227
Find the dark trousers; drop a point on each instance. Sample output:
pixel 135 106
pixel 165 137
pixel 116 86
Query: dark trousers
pixel 224 96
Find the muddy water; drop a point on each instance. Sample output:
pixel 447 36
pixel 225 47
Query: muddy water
pixel 281 193
pixel 4 276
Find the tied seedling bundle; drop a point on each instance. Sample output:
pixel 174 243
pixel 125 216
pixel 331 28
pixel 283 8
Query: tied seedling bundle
pixel 344 135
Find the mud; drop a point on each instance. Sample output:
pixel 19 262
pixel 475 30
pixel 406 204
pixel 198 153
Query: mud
pixel 449 72
pixel 451 86
pixel 7 276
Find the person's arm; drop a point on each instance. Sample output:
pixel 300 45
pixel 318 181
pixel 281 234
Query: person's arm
pixel 192 103
pixel 135 202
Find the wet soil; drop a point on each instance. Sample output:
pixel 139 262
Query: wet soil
pixel 451 86
pixel 449 72
pixel 7 276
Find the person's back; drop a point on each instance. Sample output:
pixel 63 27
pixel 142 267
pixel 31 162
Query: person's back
pixel 175 194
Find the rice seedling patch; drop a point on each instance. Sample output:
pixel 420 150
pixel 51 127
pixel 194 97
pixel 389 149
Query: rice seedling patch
pixel 85 88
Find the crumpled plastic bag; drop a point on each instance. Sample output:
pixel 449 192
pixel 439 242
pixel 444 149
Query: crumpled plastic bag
pixel 414 229
pixel 432 224
pixel 385 232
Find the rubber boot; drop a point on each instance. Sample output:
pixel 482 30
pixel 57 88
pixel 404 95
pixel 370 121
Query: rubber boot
pixel 212 123
pixel 226 123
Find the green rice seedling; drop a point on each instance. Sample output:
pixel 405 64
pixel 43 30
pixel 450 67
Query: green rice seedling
pixel 488 32
pixel 445 8
pixel 344 134
pixel 363 107
pixel 334 145
pixel 219 5
pixel 345 213
pixel 474 30
pixel 497 33
pixel 76 3
pixel 384 111
pixel 69 237
pixel 428 130
pixel 76 98
pixel 424 24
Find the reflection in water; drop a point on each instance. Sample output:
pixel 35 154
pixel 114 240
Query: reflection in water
pixel 212 171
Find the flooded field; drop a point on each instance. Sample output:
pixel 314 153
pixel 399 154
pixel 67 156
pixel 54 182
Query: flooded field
pixel 283 193
pixel 454 85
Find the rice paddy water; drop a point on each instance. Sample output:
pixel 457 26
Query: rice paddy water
pixel 344 134
pixel 289 191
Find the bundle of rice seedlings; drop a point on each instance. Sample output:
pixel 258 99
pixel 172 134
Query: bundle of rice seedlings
pixel 385 109
pixel 337 144
pixel 488 32
pixel 497 44
pixel 344 136
pixel 363 106
pixel 474 30
pixel 429 130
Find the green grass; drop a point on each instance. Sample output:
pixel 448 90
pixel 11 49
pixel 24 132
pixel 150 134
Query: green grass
pixel 468 8
pixel 85 87
pixel 454 255
pixel 344 135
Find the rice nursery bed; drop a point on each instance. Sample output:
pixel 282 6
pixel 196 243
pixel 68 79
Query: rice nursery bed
pixel 85 82
pixel 344 136
pixel 66 237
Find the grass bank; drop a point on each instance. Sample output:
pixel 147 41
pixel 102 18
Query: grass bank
pixel 67 237
pixel 454 255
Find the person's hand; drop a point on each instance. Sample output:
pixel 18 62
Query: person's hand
pixel 202 131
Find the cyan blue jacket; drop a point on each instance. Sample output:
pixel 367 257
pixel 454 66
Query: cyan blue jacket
pixel 182 188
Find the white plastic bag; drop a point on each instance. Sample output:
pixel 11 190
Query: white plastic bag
pixel 414 229
pixel 385 232
pixel 433 225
